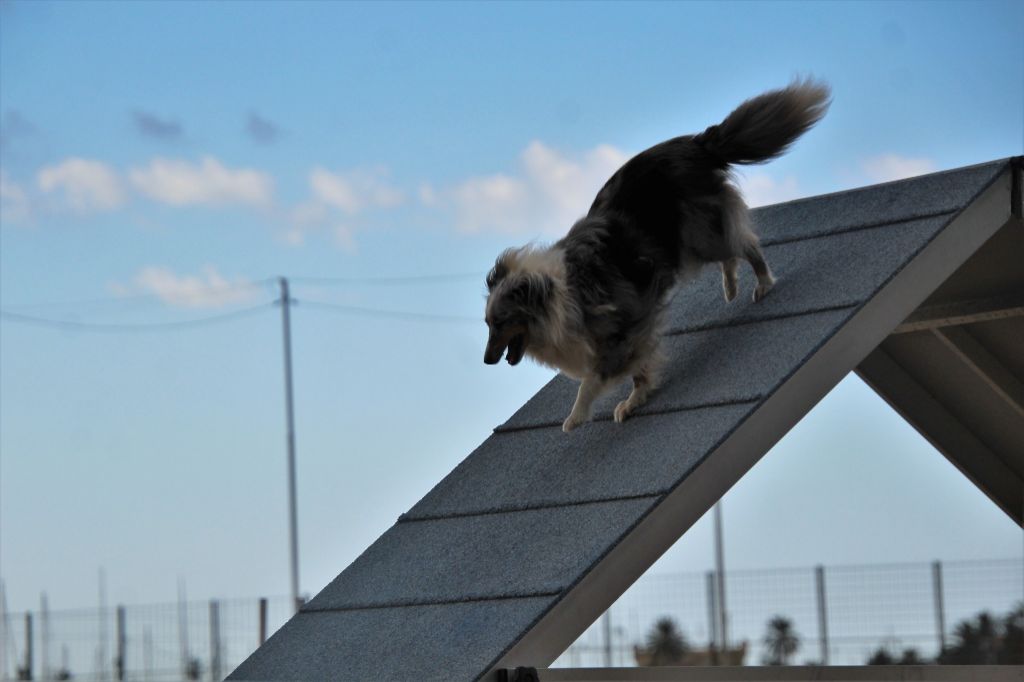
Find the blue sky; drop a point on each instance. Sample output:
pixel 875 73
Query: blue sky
pixel 160 161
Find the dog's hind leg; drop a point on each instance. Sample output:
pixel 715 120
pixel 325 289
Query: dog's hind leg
pixel 729 284
pixel 590 388
pixel 644 383
pixel 765 280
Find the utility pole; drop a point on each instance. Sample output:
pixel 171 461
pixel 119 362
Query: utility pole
pixel 286 302
pixel 723 632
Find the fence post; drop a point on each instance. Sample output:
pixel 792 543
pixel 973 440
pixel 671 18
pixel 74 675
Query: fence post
pixel 263 620
pixel 215 641
pixel 119 662
pixel 608 638
pixel 186 654
pixel 44 637
pixel 28 645
pixel 712 617
pixel 940 610
pixel 819 579
pixel 147 654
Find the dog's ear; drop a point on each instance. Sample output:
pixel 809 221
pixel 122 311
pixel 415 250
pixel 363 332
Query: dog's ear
pixel 497 273
pixel 531 291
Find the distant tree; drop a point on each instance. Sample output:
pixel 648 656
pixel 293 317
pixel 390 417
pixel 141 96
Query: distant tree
pixel 1012 651
pixel 883 656
pixel 666 643
pixel 194 669
pixel 911 657
pixel 987 640
pixel 781 641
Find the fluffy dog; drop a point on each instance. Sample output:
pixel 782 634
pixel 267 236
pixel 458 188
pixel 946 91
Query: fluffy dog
pixel 591 305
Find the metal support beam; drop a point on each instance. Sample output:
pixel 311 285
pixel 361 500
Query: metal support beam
pixel 954 313
pixel 984 365
pixel 944 431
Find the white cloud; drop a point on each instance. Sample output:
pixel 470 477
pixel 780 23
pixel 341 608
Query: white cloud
pixel 887 167
pixel 339 201
pixel 761 189
pixel 209 289
pixel 87 185
pixel 354 191
pixel 14 204
pixel 181 183
pixel 345 238
pixel 548 194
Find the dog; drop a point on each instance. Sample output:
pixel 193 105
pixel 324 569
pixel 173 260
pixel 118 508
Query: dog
pixel 592 304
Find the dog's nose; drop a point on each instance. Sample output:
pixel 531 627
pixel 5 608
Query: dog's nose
pixel 490 357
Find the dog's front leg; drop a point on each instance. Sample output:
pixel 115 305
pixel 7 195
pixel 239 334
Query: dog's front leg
pixel 642 387
pixel 590 388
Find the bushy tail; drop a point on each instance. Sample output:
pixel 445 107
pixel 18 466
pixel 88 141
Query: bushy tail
pixel 763 127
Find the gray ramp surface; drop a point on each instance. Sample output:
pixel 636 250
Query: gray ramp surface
pixel 488 557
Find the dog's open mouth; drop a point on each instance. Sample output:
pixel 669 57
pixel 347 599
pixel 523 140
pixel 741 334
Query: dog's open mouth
pixel 516 349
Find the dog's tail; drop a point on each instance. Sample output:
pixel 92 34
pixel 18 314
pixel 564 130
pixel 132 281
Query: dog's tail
pixel 763 127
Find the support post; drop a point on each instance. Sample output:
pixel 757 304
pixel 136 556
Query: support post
pixel 4 632
pixel 819 579
pixel 263 620
pixel 119 662
pixel 215 663
pixel 712 618
pixel 102 654
pixel 44 637
pixel 940 608
pixel 723 630
pixel 147 654
pixel 286 302
pixel 183 645
pixel 28 646
pixel 607 620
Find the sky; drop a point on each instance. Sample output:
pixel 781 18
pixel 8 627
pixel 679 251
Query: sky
pixel 163 163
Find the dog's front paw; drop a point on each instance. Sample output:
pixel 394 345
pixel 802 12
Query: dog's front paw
pixel 571 422
pixel 762 289
pixel 622 411
pixel 730 291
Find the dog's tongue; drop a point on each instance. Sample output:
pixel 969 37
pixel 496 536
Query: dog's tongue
pixel 516 347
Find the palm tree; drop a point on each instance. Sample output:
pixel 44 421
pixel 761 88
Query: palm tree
pixel 780 640
pixel 987 640
pixel 883 656
pixel 666 645
pixel 1013 638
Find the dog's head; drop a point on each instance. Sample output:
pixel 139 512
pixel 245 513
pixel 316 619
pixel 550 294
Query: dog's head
pixel 517 300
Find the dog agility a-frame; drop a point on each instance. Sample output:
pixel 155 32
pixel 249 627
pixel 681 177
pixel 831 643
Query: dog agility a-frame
pixel 918 285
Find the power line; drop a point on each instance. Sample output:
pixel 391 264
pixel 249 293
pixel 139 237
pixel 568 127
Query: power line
pixel 72 325
pixel 390 280
pixel 384 313
pixel 128 298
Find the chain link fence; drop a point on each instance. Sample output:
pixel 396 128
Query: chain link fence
pixel 839 615
pixel 151 643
